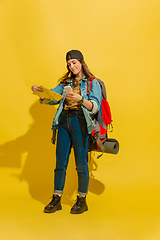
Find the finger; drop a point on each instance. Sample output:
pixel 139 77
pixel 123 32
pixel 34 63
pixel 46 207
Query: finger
pixel 68 96
pixel 38 89
pixel 70 93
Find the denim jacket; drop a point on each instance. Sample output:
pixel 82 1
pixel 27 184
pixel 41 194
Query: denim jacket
pixel 95 97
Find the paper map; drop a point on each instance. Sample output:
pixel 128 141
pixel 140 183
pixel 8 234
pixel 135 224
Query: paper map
pixel 48 94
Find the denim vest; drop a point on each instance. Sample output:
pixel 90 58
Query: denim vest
pixel 95 97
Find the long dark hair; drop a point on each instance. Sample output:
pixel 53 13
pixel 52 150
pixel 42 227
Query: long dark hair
pixel 69 75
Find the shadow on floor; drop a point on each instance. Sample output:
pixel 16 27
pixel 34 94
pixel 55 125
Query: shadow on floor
pixel 40 161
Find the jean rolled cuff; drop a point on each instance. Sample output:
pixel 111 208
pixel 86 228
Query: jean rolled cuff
pixel 95 107
pixel 81 193
pixel 58 191
pixel 44 101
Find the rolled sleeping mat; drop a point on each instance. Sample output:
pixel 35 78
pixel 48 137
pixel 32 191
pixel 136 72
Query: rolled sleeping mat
pixel 111 146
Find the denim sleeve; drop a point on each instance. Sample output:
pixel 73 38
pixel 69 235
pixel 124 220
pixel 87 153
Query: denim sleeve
pixel 95 96
pixel 58 89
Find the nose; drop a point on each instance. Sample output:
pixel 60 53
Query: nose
pixel 71 65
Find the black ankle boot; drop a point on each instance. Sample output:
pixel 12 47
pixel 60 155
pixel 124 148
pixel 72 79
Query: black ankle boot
pixel 54 205
pixel 80 206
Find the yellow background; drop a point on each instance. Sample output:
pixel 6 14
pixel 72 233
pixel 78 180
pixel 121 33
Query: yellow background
pixel 121 44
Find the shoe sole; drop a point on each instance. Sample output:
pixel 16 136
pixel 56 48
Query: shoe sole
pixel 79 212
pixel 53 210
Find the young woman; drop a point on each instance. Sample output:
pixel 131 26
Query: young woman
pixel 73 120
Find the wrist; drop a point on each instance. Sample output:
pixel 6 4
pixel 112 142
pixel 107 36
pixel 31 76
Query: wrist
pixel 81 101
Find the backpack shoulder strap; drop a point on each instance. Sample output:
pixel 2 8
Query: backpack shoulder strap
pixel 89 85
pixel 103 88
pixel 102 85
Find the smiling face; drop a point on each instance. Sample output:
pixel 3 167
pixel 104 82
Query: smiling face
pixel 75 67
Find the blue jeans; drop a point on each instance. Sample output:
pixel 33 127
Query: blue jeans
pixel 72 131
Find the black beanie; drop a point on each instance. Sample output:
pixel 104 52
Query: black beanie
pixel 74 54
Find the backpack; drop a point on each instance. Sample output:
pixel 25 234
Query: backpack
pixel 102 120
pixel 99 140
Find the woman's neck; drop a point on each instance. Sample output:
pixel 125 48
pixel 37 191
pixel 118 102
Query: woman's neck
pixel 79 75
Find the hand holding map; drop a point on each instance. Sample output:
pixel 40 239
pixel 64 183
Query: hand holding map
pixel 49 94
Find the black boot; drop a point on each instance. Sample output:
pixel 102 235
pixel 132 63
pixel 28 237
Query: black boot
pixel 80 206
pixel 54 205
